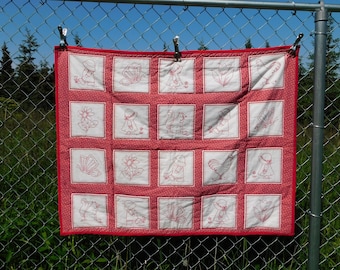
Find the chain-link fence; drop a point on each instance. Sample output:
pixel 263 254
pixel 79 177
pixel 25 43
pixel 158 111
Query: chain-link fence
pixel 29 227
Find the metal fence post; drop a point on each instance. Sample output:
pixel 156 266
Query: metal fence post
pixel 321 18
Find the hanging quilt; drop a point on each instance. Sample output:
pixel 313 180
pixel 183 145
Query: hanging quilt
pixel 147 145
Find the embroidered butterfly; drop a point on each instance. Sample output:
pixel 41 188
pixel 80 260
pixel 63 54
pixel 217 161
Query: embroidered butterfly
pixel 89 165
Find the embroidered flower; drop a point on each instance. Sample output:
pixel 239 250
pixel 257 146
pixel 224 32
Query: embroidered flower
pixel 86 120
pixel 130 169
pixel 85 113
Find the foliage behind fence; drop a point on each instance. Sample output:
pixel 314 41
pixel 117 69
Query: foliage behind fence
pixel 29 227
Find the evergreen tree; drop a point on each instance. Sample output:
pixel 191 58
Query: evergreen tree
pixel 332 101
pixel 6 73
pixel 332 66
pixel 27 77
pixel 77 41
pixel 27 48
pixel 44 95
pixel 332 56
pixel 202 46
pixel 305 94
pixel 165 47
pixel 248 44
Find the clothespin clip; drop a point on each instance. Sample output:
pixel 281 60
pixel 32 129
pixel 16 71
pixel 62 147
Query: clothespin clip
pixel 177 54
pixel 63 33
pixel 294 47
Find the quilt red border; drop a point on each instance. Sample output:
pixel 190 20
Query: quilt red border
pixel 257 196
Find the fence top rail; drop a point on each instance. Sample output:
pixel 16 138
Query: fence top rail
pixel 230 3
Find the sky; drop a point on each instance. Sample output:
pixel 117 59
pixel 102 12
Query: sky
pixel 150 28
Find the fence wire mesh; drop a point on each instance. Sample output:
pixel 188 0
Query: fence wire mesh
pixel 29 227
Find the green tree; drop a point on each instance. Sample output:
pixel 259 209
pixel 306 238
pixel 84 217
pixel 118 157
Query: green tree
pixel 6 73
pixel 332 64
pixel 332 101
pixel 332 67
pixel 332 56
pixel 77 41
pixel 165 47
pixel 44 95
pixel 27 49
pixel 305 94
pixel 27 77
pixel 248 44
pixel 202 46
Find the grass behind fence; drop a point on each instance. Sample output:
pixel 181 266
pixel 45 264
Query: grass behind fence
pixel 29 227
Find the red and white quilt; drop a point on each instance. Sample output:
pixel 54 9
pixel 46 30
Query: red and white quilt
pixel 151 146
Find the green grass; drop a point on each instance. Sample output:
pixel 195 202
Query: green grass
pixel 29 227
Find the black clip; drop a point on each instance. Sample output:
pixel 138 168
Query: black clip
pixel 292 50
pixel 63 33
pixel 177 54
